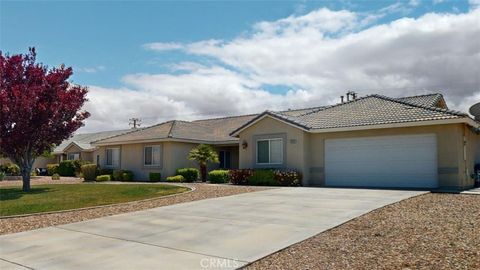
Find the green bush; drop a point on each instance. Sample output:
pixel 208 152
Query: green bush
pixel 105 171
pixel 239 177
pixel 89 172
pixel 117 175
pixel 78 165
pixel 218 176
pixel 190 174
pixel 55 176
pixel 262 178
pixel 103 178
pixel 52 169
pixel 66 168
pixel 155 177
pixel 176 178
pixel 2 175
pixel 127 176
pixel 10 169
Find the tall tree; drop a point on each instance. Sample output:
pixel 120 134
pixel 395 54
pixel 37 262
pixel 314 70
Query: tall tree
pixel 38 108
pixel 203 154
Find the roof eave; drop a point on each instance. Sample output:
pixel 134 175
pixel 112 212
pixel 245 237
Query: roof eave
pixel 464 120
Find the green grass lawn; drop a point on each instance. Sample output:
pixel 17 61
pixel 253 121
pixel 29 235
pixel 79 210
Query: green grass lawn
pixel 44 198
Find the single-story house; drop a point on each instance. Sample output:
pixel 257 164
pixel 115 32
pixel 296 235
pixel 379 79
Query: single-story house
pixel 79 145
pixel 372 141
pixel 76 147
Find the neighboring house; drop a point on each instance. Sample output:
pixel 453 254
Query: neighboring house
pixel 79 146
pixel 374 141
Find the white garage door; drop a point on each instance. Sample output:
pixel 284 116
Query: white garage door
pixel 390 161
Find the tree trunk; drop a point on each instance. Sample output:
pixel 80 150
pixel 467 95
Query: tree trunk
pixel 26 178
pixel 203 172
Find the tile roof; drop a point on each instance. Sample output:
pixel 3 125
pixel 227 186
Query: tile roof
pixel 84 140
pixel 369 110
pixel 431 100
pixel 365 111
pixel 373 110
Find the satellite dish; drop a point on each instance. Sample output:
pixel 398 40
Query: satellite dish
pixel 475 110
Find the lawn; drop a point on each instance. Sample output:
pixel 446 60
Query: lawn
pixel 44 198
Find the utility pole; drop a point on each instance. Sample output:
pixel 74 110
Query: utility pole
pixel 135 122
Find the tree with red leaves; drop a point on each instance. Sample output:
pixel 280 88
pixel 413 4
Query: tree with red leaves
pixel 38 108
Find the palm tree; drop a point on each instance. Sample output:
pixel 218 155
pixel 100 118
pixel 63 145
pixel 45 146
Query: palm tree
pixel 203 154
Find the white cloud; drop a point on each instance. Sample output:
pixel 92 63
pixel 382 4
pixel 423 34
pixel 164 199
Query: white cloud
pixel 319 56
pixel 89 69
pixel 163 46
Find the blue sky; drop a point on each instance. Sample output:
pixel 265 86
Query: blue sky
pixel 107 44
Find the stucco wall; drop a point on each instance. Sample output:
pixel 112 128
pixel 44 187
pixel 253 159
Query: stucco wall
pixel 307 154
pixel 294 148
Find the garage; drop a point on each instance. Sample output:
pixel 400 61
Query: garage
pixel 407 161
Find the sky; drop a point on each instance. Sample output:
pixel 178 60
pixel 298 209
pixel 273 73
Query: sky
pixel 163 60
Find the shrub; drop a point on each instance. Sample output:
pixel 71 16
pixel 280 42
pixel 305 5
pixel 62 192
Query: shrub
pixel 218 176
pixel 89 172
pixel 239 177
pixel 103 178
pixel 52 169
pixel 55 176
pixel 190 174
pixel 176 178
pixel 262 178
pixel 105 171
pixel 2 175
pixel 117 175
pixel 10 169
pixel 287 177
pixel 66 168
pixel 155 176
pixel 127 176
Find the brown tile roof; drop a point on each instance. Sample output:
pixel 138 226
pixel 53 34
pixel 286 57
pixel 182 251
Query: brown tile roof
pixel 365 111
pixel 369 110
pixel 430 100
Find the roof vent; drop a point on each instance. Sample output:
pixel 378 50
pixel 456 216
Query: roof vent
pixel 352 94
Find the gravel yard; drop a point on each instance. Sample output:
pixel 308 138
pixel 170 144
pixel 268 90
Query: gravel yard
pixel 202 191
pixel 432 231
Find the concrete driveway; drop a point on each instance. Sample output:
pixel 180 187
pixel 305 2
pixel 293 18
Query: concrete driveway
pixel 220 233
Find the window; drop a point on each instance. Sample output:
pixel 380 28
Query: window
pixel 224 157
pixel 270 151
pixel 98 160
pixel 113 157
pixel 73 156
pixel 152 155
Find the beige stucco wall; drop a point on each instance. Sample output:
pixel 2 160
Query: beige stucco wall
pixel 174 155
pixel 296 145
pixel 307 154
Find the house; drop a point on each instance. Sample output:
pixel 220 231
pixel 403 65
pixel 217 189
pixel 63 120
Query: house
pixel 77 147
pixel 372 141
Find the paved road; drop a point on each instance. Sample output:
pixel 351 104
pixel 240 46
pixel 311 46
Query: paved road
pixel 220 233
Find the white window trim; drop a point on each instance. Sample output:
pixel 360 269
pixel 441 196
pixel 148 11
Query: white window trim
pixel 160 158
pixel 269 152
pixel 106 157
